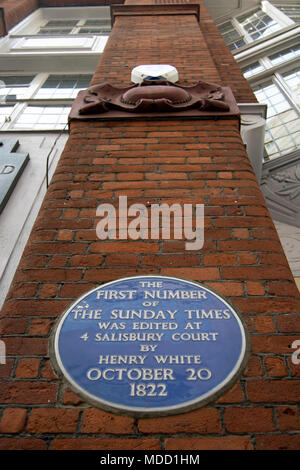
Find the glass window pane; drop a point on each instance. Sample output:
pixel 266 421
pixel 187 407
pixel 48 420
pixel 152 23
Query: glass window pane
pixel 42 117
pixel 97 23
pixel 285 55
pixel 258 24
pixel 293 126
pixel 225 27
pixel 54 31
pixel 282 106
pixel 231 36
pixel 14 87
pixel 59 23
pixel 252 69
pixel 286 143
pixel 63 86
pixel 236 44
pixel 5 112
pixel 92 30
pixel 292 78
pixel 282 126
pixel 53 27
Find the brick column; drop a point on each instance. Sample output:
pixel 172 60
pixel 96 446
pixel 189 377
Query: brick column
pixel 154 161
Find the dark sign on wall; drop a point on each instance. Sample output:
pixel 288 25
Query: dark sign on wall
pixel 11 167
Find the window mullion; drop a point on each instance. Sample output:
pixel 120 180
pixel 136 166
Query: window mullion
pixel 266 62
pixel 37 83
pixel 291 97
pixel 241 30
pixel 79 25
pixel 6 122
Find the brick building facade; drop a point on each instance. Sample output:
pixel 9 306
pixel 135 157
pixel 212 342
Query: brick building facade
pixel 150 161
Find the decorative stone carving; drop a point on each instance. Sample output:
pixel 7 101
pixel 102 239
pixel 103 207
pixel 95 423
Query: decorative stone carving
pixel 281 188
pixel 154 97
pixel 291 183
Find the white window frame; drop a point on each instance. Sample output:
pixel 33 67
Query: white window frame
pixel 260 52
pixel 54 43
pixel 282 19
pixel 263 59
pixel 276 14
pixel 276 77
pixel 75 29
pixel 32 23
pixel 20 104
pixel 277 4
pixel 23 38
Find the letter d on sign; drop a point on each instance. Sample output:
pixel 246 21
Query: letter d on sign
pixel 2 353
pixel 7 169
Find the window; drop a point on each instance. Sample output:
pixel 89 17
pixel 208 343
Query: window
pixel 272 69
pixel 5 113
pixel 82 29
pixel 39 102
pixel 258 24
pixel 14 87
pixel 62 27
pixel 285 55
pixel 253 69
pixel 94 27
pixel 59 23
pixel 292 78
pixel 65 40
pixel 231 36
pixel 282 127
pixel 36 118
pixel 60 44
pixel 253 25
pixel 63 86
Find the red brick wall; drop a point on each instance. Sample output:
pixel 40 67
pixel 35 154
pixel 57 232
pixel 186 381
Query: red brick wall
pixel 149 39
pixel 196 161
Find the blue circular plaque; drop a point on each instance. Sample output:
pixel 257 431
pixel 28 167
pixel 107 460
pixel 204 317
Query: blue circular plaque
pixel 150 345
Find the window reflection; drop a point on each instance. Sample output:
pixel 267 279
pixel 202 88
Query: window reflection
pixel 282 126
pixel 43 117
pixel 63 86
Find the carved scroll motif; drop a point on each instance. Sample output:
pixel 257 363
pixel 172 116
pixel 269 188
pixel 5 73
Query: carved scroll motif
pixel 157 97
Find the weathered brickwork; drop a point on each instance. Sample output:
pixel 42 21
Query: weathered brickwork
pixel 153 161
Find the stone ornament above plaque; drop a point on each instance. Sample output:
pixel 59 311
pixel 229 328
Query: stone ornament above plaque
pixel 155 98
pixel 150 346
pixel 158 9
